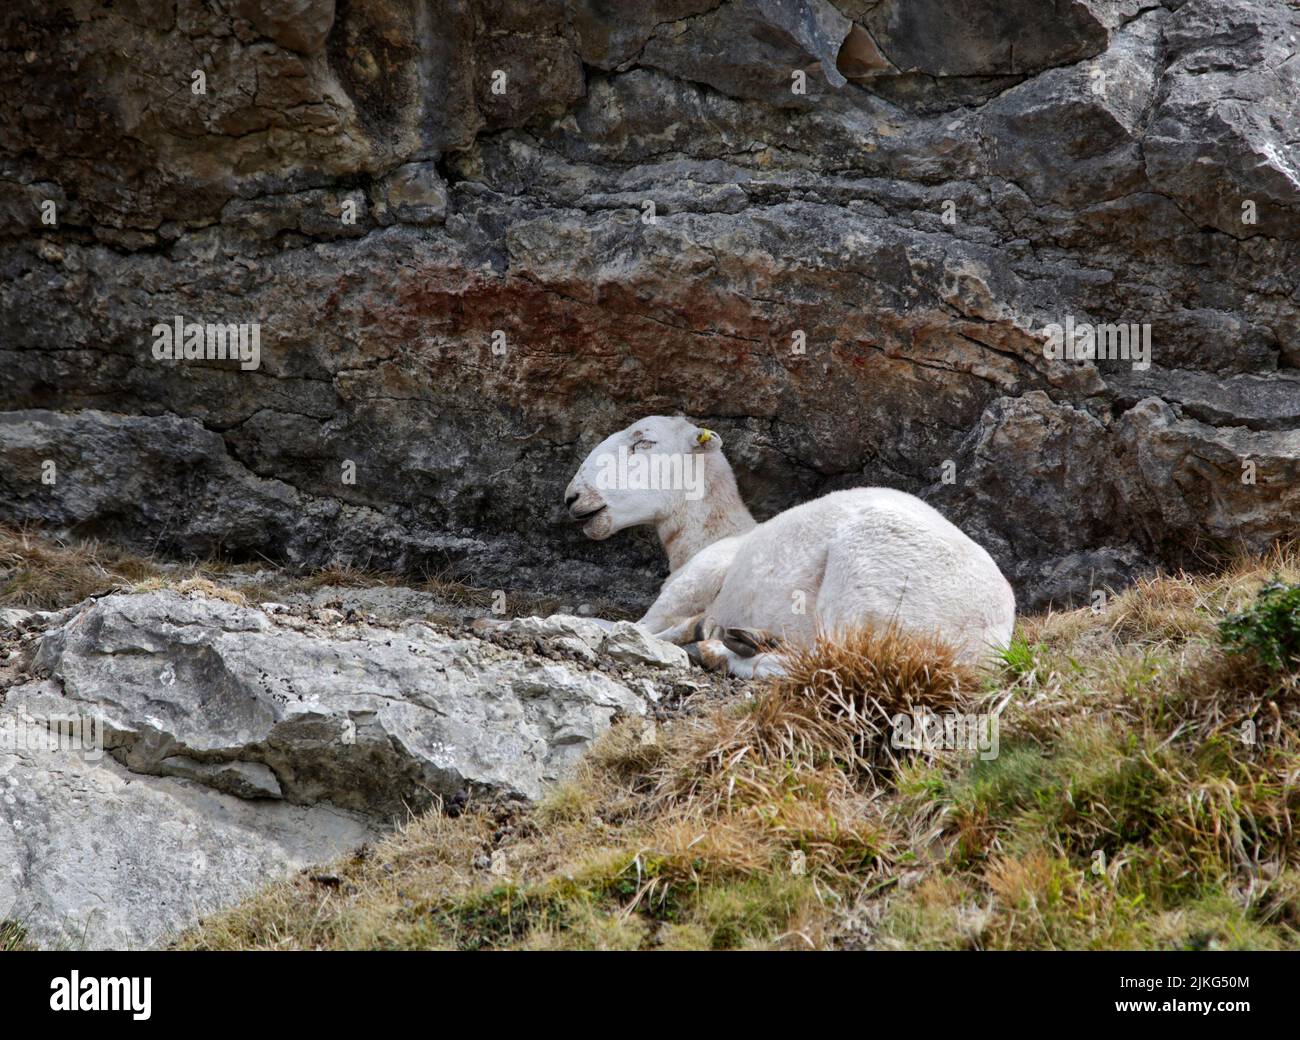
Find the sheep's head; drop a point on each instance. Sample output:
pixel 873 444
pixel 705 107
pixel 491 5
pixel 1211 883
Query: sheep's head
pixel 640 475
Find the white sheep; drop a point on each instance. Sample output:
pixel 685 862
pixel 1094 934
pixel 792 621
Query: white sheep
pixel 867 556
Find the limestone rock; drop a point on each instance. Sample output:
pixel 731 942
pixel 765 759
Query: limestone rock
pixel 373 720
pixel 213 746
pixel 622 641
pixel 627 641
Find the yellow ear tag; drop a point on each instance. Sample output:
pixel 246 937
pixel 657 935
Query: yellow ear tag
pixel 705 436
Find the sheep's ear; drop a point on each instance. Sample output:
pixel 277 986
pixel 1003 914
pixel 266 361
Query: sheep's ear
pixel 707 440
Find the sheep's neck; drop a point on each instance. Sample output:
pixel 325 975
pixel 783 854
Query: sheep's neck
pixel 697 524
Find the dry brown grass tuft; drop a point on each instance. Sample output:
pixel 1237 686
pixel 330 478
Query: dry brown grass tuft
pixel 832 710
pixel 203 586
pixel 42 573
pixel 1233 696
pixel 1161 609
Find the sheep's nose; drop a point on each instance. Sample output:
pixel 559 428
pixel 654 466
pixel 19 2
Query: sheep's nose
pixel 570 499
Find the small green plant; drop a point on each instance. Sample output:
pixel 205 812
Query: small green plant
pixel 1020 658
pixel 1269 628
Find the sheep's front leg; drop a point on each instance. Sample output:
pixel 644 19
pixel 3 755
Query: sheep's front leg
pixel 679 615
pixel 679 633
pixel 688 630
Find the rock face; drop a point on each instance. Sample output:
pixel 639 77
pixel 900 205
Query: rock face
pixel 478 237
pixel 235 745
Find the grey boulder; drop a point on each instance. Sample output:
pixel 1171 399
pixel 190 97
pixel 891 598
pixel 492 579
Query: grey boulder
pixel 222 746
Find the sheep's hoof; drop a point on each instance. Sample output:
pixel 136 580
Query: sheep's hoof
pixel 749 641
pixel 708 654
pixel 706 628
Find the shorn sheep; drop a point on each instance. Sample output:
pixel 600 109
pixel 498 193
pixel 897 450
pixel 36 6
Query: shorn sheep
pixel 739 591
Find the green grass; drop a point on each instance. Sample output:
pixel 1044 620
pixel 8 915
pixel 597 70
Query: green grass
pixel 13 936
